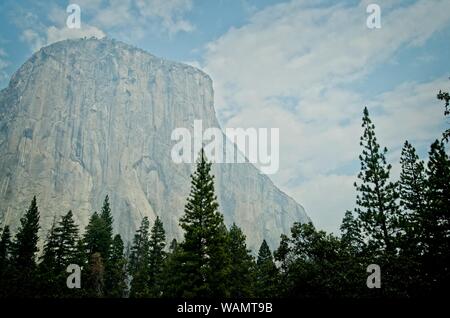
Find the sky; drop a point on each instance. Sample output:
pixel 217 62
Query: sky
pixel 307 67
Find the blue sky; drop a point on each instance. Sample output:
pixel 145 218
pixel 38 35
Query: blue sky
pixel 306 67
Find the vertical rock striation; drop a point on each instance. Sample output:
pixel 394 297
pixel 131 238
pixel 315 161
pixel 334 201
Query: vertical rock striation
pixel 85 118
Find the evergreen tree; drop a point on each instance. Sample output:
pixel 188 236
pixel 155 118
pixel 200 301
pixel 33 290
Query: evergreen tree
pixel 108 221
pixel 412 180
pixel 139 266
pixel 24 250
pixel 49 268
pixel 67 232
pixel 377 208
pixel 283 256
pixel 351 234
pixel 241 280
pixel 205 256
pixel 115 273
pixel 96 238
pixel 95 251
pixel 25 244
pixel 436 223
pixel 60 250
pixel 5 245
pixel 157 244
pixel 266 273
pixel 412 190
pixel 171 274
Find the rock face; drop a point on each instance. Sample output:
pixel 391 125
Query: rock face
pixel 85 118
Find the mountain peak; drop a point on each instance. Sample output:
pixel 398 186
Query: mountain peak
pixel 89 117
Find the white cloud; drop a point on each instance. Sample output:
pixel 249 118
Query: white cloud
pixel 170 13
pixel 291 67
pixel 129 20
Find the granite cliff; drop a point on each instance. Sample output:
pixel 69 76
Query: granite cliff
pixel 85 118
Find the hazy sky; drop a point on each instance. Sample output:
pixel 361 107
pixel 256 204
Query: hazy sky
pixel 306 67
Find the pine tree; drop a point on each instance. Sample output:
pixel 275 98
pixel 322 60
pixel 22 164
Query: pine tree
pixel 95 250
pixel 115 273
pixel 108 220
pixel 5 245
pixel 67 232
pixel 412 190
pixel 266 273
pixel 241 280
pixel 205 255
pixel 157 244
pixel 351 233
pixel 436 223
pixel 139 265
pixel 171 274
pixel 377 208
pixel 24 250
pixel 25 244
pixel 49 269
pixel 96 238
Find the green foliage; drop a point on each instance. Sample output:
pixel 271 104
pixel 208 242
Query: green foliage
pixel 5 265
pixel 171 274
pixel 139 265
pixel 23 254
pixel 436 223
pixel 108 221
pixel 96 238
pixel 157 244
pixel 376 200
pixel 24 248
pixel 266 273
pixel 116 274
pixel 402 226
pixel 205 258
pixel 242 265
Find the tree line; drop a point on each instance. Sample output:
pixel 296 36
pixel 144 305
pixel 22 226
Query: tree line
pixel 402 226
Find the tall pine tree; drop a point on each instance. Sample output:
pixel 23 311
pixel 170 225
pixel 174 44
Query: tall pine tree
pixel 266 273
pixel 49 268
pixel 115 273
pixel 157 244
pixel 205 262
pixel 139 265
pixel 412 190
pixel 108 221
pixel 437 222
pixel 24 251
pixel 67 232
pixel 5 246
pixel 377 197
pixel 242 276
